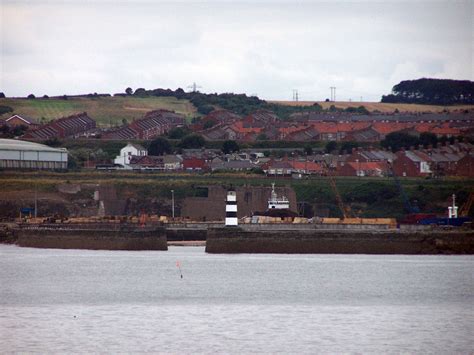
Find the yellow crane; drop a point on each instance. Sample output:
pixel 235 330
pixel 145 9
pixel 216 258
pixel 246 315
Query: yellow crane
pixel 466 207
pixel 346 210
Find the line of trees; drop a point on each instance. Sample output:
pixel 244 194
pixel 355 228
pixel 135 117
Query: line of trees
pixel 240 104
pixel 432 91
pixel 398 140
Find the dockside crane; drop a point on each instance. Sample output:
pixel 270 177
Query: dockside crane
pixel 466 207
pixel 346 210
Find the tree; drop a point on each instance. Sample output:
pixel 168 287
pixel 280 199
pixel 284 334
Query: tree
pixel 31 96
pixel 428 138
pixel 2 95
pixel 5 109
pixel 205 109
pixel 19 130
pixel 159 146
pixel 178 132
pixel 331 146
pixel 230 146
pixel 129 91
pixel 308 150
pixel 432 91
pixel 124 122
pixel 209 124
pixel 53 142
pixel 347 147
pixel 192 141
pixel 140 92
pixel 398 140
pixel 262 137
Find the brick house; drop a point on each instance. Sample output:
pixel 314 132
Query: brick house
pixel 407 163
pixel 153 124
pixel 465 166
pixel 70 126
pixel 195 164
pixel 17 120
pixel 363 168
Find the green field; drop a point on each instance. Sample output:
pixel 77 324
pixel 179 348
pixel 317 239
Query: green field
pixel 107 111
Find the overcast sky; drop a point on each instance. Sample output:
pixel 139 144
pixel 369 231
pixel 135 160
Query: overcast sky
pixel 267 48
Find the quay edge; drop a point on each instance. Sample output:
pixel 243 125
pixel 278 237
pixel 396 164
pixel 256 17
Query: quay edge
pixel 93 238
pixel 344 241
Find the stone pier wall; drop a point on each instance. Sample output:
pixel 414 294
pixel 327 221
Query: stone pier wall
pixel 93 239
pixel 317 241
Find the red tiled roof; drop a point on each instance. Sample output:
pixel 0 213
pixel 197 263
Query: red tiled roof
pixel 371 165
pixel 239 127
pixel 308 165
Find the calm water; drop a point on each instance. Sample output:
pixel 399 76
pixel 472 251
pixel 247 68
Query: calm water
pixel 112 301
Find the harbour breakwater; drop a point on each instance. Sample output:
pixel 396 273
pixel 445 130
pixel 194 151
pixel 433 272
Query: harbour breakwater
pixel 92 237
pixel 251 238
pixel 278 239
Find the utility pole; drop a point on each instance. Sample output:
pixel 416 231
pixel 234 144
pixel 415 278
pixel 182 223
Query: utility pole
pixel 36 201
pixel 172 203
pixel 333 93
pixel 295 95
pixel 194 87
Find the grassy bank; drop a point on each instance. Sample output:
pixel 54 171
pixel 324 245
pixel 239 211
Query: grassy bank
pixel 107 111
pixel 368 197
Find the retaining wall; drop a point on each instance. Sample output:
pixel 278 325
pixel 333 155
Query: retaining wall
pixel 318 241
pixel 93 239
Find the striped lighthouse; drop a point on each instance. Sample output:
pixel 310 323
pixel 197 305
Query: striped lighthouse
pixel 231 209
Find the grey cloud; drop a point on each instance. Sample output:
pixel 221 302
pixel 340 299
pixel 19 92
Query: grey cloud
pixel 267 48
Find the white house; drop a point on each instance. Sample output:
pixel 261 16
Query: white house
pixel 129 151
pixel 172 162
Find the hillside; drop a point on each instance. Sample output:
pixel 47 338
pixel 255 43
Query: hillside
pixel 368 197
pixel 105 110
pixel 111 111
pixel 379 106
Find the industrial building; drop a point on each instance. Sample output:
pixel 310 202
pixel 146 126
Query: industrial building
pixel 16 154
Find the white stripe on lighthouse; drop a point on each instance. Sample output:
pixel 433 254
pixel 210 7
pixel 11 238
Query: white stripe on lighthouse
pixel 231 209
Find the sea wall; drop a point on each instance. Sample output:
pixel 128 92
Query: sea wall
pixel 344 241
pixel 77 238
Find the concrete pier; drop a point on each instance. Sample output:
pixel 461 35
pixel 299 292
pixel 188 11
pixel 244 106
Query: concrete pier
pixel 92 237
pixel 342 241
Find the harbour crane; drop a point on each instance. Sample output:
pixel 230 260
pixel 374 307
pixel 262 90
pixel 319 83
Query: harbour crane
pixel 466 207
pixel 346 210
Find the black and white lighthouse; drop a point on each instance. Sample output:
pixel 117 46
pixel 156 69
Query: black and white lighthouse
pixel 231 209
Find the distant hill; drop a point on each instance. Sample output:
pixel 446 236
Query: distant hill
pixel 112 110
pixel 105 110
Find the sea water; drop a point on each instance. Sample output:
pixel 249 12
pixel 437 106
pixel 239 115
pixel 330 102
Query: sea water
pixel 119 301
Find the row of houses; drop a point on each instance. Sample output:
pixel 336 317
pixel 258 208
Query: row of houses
pixel 264 125
pixel 153 124
pixel 65 127
pixel 449 160
pixel 259 125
